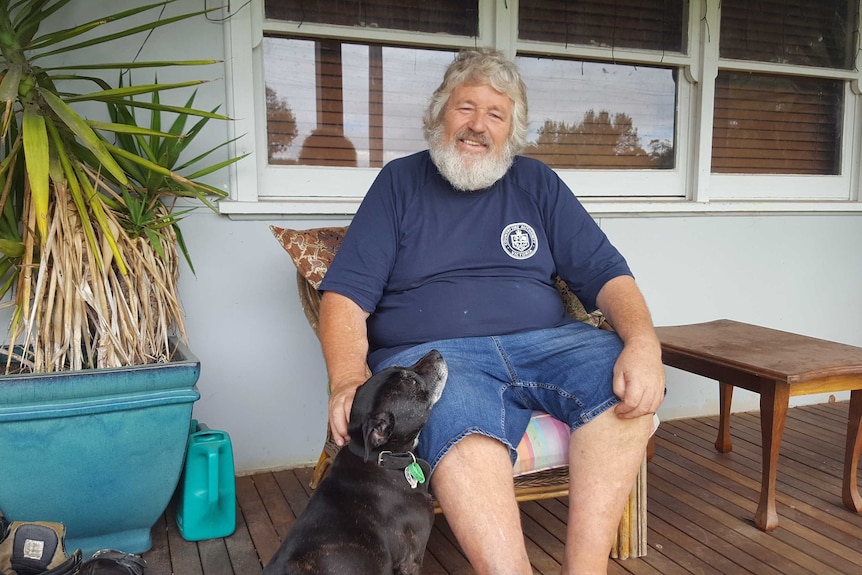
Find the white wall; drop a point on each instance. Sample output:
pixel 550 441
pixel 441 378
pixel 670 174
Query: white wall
pixel 263 379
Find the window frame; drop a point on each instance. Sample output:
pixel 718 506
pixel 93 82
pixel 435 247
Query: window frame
pixel 687 188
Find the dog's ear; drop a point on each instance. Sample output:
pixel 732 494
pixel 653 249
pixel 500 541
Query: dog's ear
pixel 376 430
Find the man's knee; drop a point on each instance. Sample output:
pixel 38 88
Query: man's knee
pixel 476 450
pixel 615 433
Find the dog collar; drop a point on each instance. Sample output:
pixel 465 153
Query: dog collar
pixel 415 470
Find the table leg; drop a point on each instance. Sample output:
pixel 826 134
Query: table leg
pixel 725 398
pixel 774 400
pixel 850 492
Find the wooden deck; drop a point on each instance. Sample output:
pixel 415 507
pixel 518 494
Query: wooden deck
pixel 701 507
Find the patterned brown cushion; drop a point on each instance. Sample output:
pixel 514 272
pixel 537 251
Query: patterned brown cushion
pixel 311 250
pixel 575 308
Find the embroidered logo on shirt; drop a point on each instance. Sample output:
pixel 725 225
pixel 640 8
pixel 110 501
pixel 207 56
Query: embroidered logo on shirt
pixel 519 241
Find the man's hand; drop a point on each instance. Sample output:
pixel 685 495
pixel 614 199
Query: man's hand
pixel 638 374
pixel 340 403
pixel 639 378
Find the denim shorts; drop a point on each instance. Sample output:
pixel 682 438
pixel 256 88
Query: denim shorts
pixel 496 382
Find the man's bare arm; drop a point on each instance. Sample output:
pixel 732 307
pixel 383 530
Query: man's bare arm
pixel 639 378
pixel 344 339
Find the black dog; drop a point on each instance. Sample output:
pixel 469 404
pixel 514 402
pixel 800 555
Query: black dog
pixel 373 513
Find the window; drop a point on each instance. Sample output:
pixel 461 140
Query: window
pixel 780 106
pixel 332 103
pixel 638 24
pixel 640 105
pixel 613 116
pixel 456 17
pixel 776 124
pixel 788 123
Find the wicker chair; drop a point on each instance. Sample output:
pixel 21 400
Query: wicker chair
pixel 312 251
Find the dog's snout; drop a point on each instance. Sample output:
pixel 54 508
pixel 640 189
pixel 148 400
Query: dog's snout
pixel 429 362
pixel 434 355
pixel 433 370
pixel 432 365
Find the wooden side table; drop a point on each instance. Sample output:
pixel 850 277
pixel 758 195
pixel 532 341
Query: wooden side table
pixel 777 365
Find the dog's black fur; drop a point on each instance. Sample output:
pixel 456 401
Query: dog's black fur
pixel 364 518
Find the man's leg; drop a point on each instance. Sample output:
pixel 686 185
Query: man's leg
pixel 604 459
pixel 473 483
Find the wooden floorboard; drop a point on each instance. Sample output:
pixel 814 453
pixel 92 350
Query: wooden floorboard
pixel 701 506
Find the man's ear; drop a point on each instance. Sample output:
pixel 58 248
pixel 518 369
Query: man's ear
pixel 376 430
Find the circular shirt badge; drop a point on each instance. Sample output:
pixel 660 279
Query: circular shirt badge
pixel 519 241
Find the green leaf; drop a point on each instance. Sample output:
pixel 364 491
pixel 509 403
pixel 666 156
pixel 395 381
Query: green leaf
pixel 123 128
pixel 36 155
pixel 139 160
pixel 36 12
pixel 11 248
pixel 214 168
pixel 5 265
pixel 123 93
pixel 9 85
pixel 9 94
pixel 31 19
pixel 134 65
pixel 42 42
pixel 84 133
pixel 155 240
pixel 197 159
pixel 97 211
pixel 163 108
pixel 75 192
pixel 181 243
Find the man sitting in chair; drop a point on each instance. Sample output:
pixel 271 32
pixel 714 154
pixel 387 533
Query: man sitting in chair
pixel 457 249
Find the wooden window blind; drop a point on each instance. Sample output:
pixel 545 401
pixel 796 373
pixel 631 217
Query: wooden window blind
pixel 457 17
pixel 638 24
pixel 782 124
pixel 776 124
pixel 798 32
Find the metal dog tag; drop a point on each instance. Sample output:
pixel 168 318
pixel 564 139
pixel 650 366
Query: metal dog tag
pixel 409 477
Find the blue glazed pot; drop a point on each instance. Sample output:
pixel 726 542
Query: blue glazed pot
pixel 98 450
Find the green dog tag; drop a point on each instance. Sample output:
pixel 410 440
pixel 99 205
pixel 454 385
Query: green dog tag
pixel 414 474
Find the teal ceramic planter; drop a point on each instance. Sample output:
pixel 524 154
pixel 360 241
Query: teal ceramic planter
pixel 100 450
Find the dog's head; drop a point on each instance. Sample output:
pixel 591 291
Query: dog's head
pixel 390 408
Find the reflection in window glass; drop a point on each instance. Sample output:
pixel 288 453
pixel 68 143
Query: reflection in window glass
pixel 640 24
pixel 331 103
pixel 458 17
pixel 600 115
pixel 798 32
pixel 771 124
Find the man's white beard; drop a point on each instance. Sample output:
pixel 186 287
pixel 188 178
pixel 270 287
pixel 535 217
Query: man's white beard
pixel 467 172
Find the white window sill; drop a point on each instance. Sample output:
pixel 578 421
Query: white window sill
pixel 334 206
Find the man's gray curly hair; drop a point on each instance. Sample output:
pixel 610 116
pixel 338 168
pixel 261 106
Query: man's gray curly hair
pixel 482 67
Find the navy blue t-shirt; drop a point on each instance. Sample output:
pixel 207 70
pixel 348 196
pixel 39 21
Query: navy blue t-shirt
pixel 429 262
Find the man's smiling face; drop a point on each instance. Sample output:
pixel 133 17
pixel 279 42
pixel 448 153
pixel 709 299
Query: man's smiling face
pixel 471 145
pixel 477 120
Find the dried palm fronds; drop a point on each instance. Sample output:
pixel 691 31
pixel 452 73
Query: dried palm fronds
pixel 86 313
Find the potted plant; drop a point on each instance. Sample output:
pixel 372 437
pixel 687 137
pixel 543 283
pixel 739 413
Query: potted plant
pixel 91 434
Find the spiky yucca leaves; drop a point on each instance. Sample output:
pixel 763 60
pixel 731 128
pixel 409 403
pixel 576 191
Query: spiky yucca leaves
pixel 88 239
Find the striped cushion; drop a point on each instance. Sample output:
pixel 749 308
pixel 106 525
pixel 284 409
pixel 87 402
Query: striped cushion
pixel 545 444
